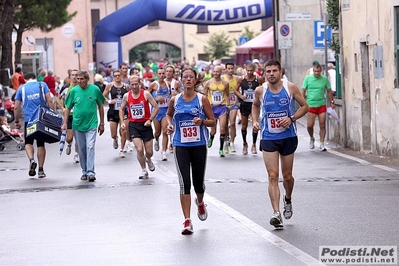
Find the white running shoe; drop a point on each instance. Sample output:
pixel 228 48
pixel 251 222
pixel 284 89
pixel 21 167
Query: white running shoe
pixel 276 220
pixel 144 174
pixel 202 212
pixel 287 209
pixel 115 143
pixel 188 227
pixel 163 155
pixel 121 154
pixel 311 144
pixel 76 158
pixel 150 164
pixel 226 147
pixel 156 145
pixel 322 148
pixel 232 149
pixel 130 146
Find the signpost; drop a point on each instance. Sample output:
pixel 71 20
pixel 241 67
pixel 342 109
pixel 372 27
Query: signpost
pixel 318 36
pixel 78 48
pixel 284 34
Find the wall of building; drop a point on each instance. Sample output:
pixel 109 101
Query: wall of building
pixel 298 59
pixel 79 28
pixel 195 42
pixel 376 111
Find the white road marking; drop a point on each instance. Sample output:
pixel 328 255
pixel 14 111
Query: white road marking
pixel 256 228
pixel 267 235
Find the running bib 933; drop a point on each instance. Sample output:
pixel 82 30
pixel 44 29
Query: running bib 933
pixel 189 132
pixel 273 121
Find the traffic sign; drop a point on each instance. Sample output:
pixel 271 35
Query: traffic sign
pixel 284 34
pixel 242 40
pixel 318 38
pixel 78 46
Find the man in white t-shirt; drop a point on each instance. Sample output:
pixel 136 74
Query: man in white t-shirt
pixel 331 76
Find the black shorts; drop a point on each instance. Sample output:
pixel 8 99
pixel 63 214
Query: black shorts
pixel 283 146
pixel 30 140
pixel 69 122
pixel 138 130
pixel 113 115
pixel 245 108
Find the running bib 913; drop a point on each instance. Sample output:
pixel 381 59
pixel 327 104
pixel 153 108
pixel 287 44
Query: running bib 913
pixel 137 111
pixel 273 121
pixel 189 132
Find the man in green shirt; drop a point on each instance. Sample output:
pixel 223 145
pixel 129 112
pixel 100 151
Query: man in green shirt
pixel 85 98
pixel 313 89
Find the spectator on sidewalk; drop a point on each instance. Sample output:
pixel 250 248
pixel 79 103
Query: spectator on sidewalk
pixel 29 96
pixel 50 81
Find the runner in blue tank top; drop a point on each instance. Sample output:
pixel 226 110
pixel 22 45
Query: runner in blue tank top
pixel 189 114
pixel 274 102
pixel 161 93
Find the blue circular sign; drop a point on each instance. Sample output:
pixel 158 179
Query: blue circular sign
pixel 285 30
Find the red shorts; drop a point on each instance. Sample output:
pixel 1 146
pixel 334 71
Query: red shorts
pixel 318 110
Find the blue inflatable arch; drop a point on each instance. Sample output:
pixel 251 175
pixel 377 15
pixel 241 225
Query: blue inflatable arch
pixel 139 13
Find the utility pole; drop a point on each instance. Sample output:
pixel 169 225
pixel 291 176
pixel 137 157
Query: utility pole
pixel 276 18
pixel 326 72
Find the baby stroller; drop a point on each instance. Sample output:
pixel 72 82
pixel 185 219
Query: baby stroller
pixel 4 138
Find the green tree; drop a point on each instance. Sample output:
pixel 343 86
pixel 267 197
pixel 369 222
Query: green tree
pixel 6 26
pixel 173 52
pixel 140 52
pixel 332 8
pixel 249 33
pixel 42 14
pixel 218 45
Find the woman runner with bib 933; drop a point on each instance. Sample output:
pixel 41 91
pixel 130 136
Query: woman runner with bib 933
pixel 189 114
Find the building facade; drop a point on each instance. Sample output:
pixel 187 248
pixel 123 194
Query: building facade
pixel 370 74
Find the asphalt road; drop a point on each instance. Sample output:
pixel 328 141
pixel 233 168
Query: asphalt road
pixel 339 199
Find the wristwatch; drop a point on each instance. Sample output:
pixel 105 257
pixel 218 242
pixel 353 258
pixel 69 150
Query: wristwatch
pixel 101 124
pixel 292 117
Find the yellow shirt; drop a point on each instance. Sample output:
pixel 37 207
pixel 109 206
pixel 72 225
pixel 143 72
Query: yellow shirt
pixel 216 94
pixel 232 86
